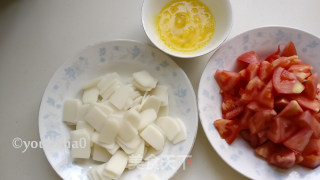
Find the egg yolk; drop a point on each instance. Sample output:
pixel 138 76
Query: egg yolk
pixel 185 25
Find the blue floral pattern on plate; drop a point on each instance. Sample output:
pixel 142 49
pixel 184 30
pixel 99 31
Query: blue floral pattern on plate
pixel 124 57
pixel 264 41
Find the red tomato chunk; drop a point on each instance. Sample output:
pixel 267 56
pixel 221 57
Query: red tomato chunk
pixel 274 104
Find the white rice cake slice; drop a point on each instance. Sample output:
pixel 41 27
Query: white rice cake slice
pixel 151 153
pixel 100 170
pixel 107 80
pixel 92 83
pixel 162 93
pixel 182 135
pixel 129 146
pixel 151 102
pixel 80 144
pixel 90 95
pixel 136 157
pixel 133 117
pixel 82 112
pixel 107 103
pixel 150 177
pixel 144 81
pixel 163 111
pixel 120 97
pixel 105 108
pixel 127 131
pixel 110 130
pixel 96 118
pixel 153 136
pixel 114 149
pixel 93 175
pixel 169 126
pixel 114 86
pixel 70 110
pixel 116 165
pixel 86 126
pixel 147 117
pixel 100 154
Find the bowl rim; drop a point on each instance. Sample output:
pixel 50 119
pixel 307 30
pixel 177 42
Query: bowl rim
pixel 201 116
pixel 212 49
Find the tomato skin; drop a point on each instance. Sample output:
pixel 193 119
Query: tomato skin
pixel 308 120
pixel 265 150
pixel 227 80
pixel 311 161
pixel 248 58
pixel 252 139
pixel 260 120
pixel 228 129
pixel 283 158
pixel 234 113
pixel 311 86
pixel 286 62
pixel 307 103
pixel 274 56
pixel 281 129
pixel 285 82
pixel 289 50
pixel 252 89
pixel 243 122
pixel 265 71
pixel 293 109
pixel 266 97
pixel 299 141
pixel 281 103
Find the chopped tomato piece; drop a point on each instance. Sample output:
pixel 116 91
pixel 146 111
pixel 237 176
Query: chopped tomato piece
pixel 274 56
pixel 243 122
pixel 229 103
pixel 299 141
pixel 265 150
pixel 285 82
pixel 289 50
pixel 227 80
pixel 313 147
pixel 311 161
pixel 299 157
pixel 265 71
pixel 234 113
pixel 281 103
pixel 291 110
pixel 307 119
pixel 311 86
pixel 286 62
pixel 228 129
pixel 249 58
pixel 252 139
pixel 266 97
pixel 250 72
pixel 283 158
pixel 261 120
pixel 252 89
pixel 254 106
pixel 281 129
pixel 307 103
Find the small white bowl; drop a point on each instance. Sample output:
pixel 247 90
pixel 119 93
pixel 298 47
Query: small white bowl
pixel 221 10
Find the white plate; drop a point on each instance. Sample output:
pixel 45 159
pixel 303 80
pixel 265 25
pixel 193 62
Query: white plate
pixel 124 57
pixel 264 41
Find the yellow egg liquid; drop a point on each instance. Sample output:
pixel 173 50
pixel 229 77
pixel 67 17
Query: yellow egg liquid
pixel 185 25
